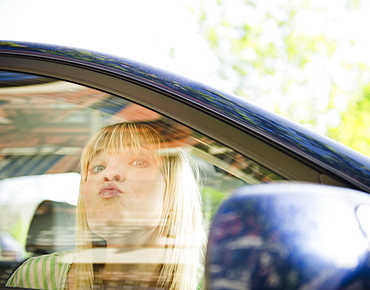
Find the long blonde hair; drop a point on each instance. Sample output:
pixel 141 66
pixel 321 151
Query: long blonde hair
pixel 182 229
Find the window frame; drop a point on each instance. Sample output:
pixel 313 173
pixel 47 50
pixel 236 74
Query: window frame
pixel 261 150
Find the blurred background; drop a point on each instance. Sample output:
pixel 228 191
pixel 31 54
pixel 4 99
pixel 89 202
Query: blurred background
pixel 305 59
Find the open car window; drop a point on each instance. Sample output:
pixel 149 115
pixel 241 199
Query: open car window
pixel 45 124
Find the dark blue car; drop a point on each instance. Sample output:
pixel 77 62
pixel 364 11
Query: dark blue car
pixel 284 191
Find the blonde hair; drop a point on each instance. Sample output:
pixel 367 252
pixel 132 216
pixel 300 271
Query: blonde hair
pixel 182 228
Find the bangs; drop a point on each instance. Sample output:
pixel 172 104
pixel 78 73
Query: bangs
pixel 128 136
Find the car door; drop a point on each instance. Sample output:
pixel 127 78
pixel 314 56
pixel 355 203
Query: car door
pixel 52 99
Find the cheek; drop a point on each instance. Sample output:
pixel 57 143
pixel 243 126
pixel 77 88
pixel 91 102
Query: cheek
pixel 142 178
pixel 148 185
pixel 150 195
pixel 87 192
pixel 157 194
pixel 91 185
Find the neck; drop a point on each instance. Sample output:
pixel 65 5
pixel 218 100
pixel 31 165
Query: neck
pixel 132 239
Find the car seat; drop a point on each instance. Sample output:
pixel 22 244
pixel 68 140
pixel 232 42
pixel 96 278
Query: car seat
pixel 52 229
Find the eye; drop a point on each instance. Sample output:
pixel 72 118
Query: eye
pixel 98 168
pixel 141 163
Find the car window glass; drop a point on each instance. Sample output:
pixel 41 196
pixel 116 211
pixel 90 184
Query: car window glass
pixel 45 124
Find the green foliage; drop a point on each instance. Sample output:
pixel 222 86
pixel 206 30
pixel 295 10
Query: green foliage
pixel 284 56
pixel 19 231
pixel 258 51
pixel 211 200
pixel 354 127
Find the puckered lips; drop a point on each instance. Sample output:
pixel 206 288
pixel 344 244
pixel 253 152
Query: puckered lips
pixel 109 190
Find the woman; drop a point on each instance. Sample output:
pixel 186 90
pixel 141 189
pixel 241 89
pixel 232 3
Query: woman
pixel 142 199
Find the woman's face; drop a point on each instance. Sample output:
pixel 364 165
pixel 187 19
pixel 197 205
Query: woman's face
pixel 124 189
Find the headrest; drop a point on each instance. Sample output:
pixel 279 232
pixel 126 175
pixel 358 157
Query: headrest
pixel 52 228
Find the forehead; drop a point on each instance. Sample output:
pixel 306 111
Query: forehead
pixel 126 151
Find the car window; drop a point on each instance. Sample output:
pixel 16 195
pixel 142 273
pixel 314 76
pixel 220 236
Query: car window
pixel 46 123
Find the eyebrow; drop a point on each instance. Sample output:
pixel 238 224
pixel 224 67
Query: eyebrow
pixel 143 149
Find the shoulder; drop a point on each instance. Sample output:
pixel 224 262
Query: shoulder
pixel 201 277
pixel 43 272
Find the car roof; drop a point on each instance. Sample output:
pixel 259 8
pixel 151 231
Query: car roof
pixel 279 133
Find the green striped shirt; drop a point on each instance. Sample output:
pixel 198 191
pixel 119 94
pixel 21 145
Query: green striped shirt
pixel 43 272
pixel 51 272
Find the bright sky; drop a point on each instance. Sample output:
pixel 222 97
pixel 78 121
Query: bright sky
pixel 149 31
pixel 164 33
pixel 143 30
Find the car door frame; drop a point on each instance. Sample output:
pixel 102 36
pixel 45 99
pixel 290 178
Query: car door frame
pixel 178 98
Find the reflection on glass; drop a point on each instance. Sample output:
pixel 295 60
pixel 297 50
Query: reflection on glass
pixel 44 126
pixel 289 236
pixel 141 199
pixel 363 216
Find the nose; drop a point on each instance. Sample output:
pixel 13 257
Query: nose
pixel 113 173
